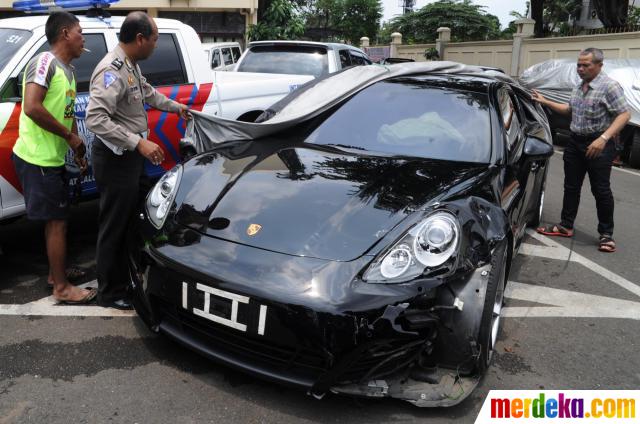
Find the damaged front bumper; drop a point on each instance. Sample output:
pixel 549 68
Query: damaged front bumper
pixel 416 341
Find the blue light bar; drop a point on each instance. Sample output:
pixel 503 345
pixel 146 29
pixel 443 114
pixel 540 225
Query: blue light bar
pixel 45 6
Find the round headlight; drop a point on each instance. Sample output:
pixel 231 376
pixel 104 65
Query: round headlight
pixel 437 234
pixel 160 199
pixel 436 239
pixel 396 262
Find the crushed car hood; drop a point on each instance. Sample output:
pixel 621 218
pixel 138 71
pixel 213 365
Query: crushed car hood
pixel 308 200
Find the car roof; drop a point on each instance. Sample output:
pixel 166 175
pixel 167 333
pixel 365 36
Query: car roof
pixel 332 46
pixel 222 44
pixel 33 22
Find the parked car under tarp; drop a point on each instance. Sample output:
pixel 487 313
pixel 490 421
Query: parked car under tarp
pixel 556 78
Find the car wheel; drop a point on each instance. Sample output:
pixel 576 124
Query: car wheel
pixel 634 151
pixel 492 310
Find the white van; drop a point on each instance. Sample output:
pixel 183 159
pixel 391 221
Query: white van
pixel 222 56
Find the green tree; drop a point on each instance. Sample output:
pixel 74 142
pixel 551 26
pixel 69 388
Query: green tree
pixel 557 14
pixel 552 16
pixel 467 21
pixel 537 13
pixel 279 20
pixel 634 16
pixel 612 13
pixel 360 18
pixel 322 19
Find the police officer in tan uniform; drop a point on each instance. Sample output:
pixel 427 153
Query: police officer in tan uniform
pixel 117 116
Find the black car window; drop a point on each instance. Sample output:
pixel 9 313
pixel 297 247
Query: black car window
pixel 236 53
pixel 165 66
pixel 286 59
pixel 226 56
pixel 345 59
pixel 411 117
pixel 85 64
pixel 358 59
pixel 10 42
pixel 215 60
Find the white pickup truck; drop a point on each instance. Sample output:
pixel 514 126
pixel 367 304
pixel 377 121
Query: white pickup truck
pixel 178 69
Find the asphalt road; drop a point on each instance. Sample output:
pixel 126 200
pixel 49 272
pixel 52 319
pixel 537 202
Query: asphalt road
pixel 572 323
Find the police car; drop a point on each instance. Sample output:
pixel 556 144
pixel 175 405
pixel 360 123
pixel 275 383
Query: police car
pixel 178 69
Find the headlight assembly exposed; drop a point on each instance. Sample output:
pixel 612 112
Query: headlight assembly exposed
pixel 426 246
pixel 161 197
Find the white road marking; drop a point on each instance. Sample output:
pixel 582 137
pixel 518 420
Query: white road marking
pixel 565 303
pixel 558 251
pixel 48 306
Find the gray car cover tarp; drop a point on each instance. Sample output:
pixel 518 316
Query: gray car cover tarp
pixel 205 131
pixel 556 78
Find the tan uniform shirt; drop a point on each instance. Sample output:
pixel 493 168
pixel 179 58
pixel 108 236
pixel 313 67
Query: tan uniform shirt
pixel 118 92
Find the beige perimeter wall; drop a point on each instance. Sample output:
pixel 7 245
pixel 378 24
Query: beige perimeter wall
pixel 414 51
pixel 486 53
pixel 533 50
pixel 615 46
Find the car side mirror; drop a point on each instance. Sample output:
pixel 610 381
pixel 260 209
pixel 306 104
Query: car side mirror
pixel 186 148
pixel 537 149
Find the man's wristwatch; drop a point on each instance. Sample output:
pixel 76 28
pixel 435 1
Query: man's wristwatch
pixel 604 137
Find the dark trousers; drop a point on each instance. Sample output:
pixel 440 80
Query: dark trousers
pixel 118 181
pixel 576 165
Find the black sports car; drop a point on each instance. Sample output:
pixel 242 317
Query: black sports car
pixel 363 248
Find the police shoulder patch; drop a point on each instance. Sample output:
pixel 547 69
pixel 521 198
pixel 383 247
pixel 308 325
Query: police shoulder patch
pixel 117 63
pixel 109 78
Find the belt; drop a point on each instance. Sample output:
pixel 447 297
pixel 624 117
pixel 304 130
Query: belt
pixel 117 149
pixel 586 137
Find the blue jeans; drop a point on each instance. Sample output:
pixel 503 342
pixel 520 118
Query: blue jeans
pixel 576 165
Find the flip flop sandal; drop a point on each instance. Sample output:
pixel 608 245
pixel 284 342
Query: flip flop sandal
pixel 555 230
pixel 73 273
pixel 607 244
pixel 90 297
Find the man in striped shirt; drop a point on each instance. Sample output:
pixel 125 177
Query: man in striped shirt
pixel 598 112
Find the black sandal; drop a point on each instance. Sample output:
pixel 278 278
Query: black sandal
pixel 606 244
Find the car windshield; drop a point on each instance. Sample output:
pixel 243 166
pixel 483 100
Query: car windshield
pixel 298 60
pixel 10 41
pixel 412 118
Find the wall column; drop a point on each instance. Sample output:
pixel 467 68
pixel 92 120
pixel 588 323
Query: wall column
pixel 396 40
pixel 525 29
pixel 444 36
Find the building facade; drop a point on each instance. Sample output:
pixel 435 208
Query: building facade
pixel 213 20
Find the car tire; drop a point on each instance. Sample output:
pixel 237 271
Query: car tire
pixel 492 310
pixel 634 150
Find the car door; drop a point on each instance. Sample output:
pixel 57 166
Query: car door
pixel 518 180
pixel 534 125
pixel 83 68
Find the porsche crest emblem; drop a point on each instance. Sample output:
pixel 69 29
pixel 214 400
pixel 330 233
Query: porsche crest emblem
pixel 253 229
